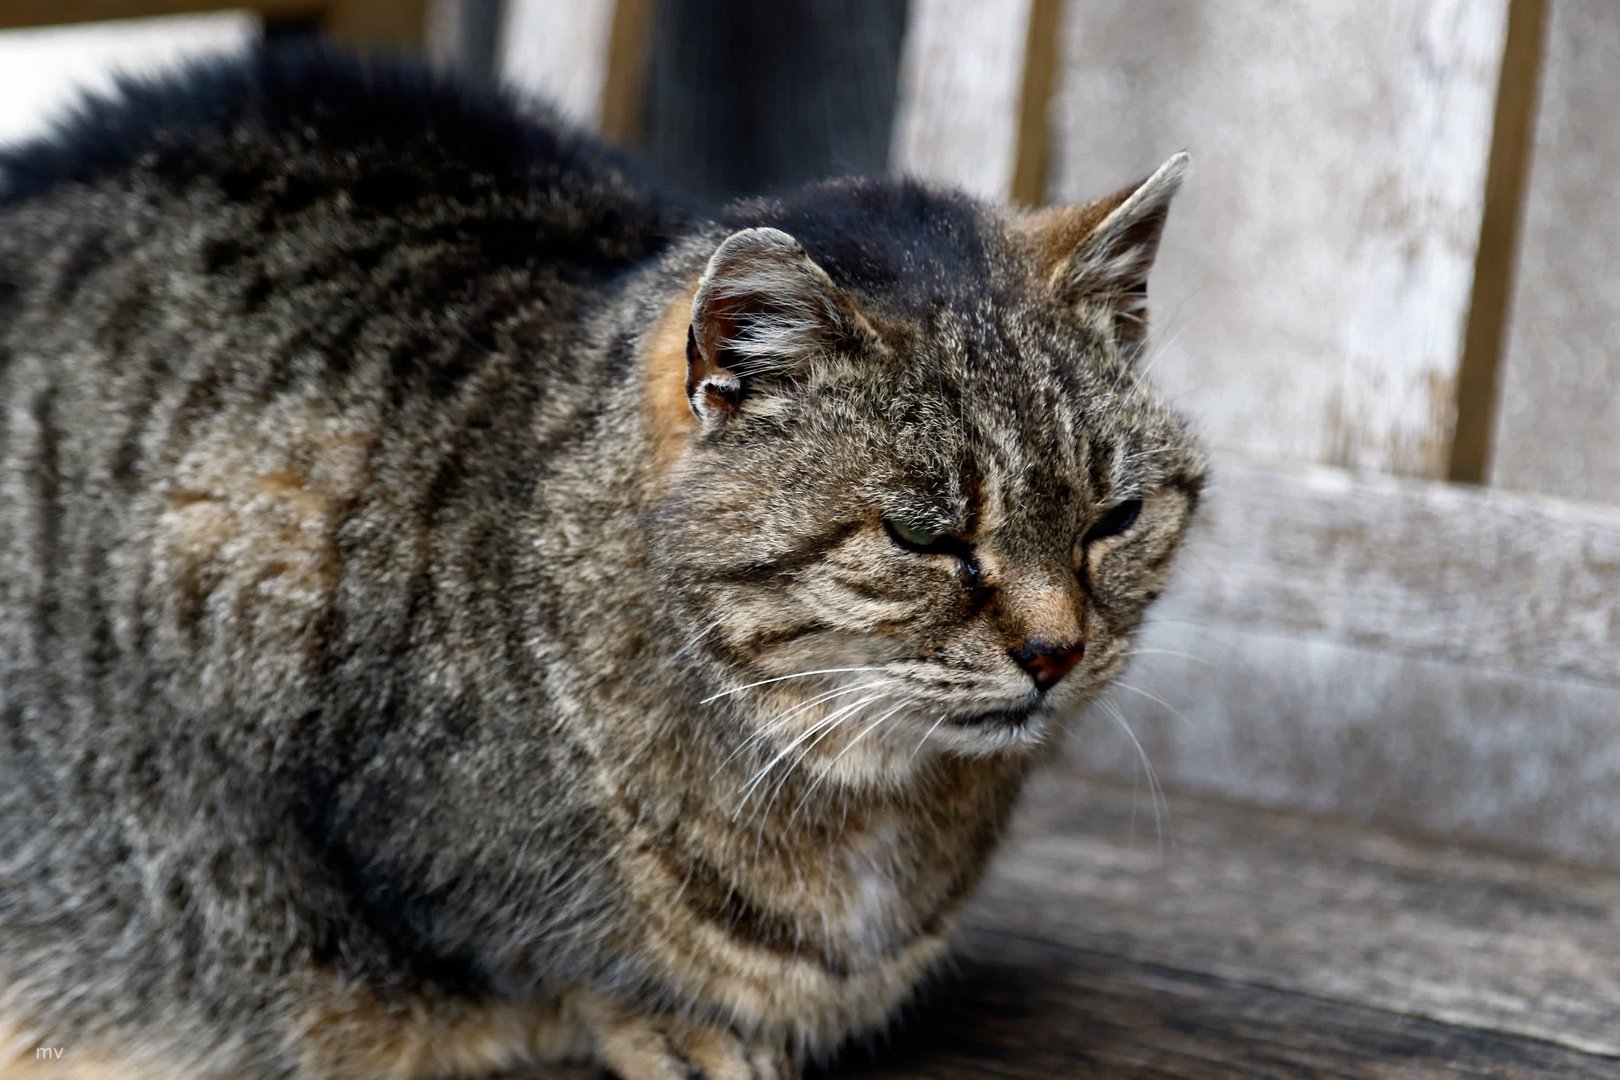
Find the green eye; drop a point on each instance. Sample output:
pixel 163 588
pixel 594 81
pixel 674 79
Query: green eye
pixel 923 542
pixel 919 540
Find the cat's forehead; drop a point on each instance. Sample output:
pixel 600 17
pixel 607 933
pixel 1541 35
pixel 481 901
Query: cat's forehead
pixel 1016 442
pixel 1016 385
pixel 1021 436
pixel 1001 343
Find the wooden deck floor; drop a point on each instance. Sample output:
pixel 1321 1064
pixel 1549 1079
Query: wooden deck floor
pixel 1262 945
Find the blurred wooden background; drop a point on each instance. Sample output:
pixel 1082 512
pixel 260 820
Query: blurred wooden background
pixel 1386 296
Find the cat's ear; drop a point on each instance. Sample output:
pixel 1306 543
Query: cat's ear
pixel 1102 251
pixel 764 308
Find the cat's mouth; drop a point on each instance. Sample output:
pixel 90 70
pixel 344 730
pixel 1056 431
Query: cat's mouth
pixel 1015 717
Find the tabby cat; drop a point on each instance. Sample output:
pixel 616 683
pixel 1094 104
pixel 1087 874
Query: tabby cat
pixel 459 610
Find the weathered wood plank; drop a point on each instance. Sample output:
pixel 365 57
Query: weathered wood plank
pixel 1517 948
pixel 1401 653
pixel 1490 578
pixel 559 51
pixel 1559 428
pixel 1528 764
pixel 1020 1007
pixel 1315 276
pixel 961 91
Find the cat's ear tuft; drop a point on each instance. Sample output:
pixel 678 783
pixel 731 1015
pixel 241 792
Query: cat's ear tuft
pixel 1102 251
pixel 764 308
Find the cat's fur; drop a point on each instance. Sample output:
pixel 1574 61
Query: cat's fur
pixel 414 533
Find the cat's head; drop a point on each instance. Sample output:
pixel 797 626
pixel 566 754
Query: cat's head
pixel 919 486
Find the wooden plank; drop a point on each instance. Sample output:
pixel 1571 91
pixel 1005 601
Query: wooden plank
pixel 1315 277
pixel 1559 428
pixel 1401 653
pixel 1489 578
pixel 1521 763
pixel 1020 1007
pixel 1434 931
pixel 560 52
pixel 962 93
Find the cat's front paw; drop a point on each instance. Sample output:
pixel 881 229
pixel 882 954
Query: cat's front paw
pixel 639 1046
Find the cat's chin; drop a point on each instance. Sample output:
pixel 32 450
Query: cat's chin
pixel 1008 731
pixel 1016 717
pixel 888 763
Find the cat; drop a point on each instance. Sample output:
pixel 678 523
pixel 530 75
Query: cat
pixel 460 609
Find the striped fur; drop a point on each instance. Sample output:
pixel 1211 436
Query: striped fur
pixel 447 619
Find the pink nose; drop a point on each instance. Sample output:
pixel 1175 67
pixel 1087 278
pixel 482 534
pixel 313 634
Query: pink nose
pixel 1047 662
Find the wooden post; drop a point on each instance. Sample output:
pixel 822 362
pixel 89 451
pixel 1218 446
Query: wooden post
pixel 394 25
pixel 1030 156
pixel 624 85
pixel 1479 371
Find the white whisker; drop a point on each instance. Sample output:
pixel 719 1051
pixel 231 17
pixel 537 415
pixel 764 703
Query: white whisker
pixel 849 717
pixel 784 678
pixel 1169 652
pixel 805 798
pixel 1123 685
pixel 1203 630
pixel 777 722
pixel 927 733
pixel 1170 328
pixel 692 642
pixel 830 718
pixel 1158 354
pixel 1161 805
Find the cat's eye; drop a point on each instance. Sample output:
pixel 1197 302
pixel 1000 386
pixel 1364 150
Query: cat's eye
pixel 1116 521
pixel 924 542
pixel 915 539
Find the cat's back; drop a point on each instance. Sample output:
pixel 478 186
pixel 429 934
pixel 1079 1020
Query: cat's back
pixel 308 196
pixel 264 326
pixel 291 127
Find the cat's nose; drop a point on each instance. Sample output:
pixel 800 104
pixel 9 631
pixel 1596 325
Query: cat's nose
pixel 1047 662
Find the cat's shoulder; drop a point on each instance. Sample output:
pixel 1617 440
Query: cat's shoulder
pixel 325 101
